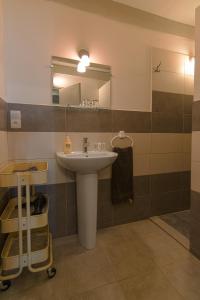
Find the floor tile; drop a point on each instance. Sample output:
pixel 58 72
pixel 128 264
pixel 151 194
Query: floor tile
pixel 151 286
pixel 107 292
pixel 184 275
pixel 136 261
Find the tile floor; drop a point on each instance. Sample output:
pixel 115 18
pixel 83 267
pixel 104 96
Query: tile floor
pixel 179 220
pixel 136 261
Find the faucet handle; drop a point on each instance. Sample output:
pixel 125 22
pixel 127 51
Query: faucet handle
pixel 85 139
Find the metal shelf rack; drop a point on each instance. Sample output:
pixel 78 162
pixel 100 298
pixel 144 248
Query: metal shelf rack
pixel 29 241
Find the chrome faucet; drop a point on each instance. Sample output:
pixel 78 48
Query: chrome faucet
pixel 85 145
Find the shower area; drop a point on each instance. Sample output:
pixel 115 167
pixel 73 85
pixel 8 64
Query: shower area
pixel 172 97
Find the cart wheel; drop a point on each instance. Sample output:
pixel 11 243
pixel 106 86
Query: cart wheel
pixel 51 272
pixel 4 285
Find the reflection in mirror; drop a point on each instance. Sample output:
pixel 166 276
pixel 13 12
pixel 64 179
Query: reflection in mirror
pixel 91 89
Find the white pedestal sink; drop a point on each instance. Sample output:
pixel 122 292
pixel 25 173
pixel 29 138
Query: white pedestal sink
pixel 86 166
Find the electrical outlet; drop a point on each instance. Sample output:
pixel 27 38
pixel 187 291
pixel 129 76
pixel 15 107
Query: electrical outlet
pixel 15 119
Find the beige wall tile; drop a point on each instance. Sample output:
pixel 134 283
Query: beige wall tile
pixel 168 82
pixel 141 164
pixel 141 142
pixel 195 177
pixel 33 145
pixel 189 85
pixel 187 162
pixel 167 143
pixel 187 143
pixel 196 145
pixel 171 61
pixel 95 137
pixel 57 174
pixel 166 163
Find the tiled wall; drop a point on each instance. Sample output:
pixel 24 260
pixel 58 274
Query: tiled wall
pixel 3 155
pixel 195 182
pixel 161 157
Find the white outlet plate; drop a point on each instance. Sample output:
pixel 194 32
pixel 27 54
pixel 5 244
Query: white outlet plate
pixel 15 119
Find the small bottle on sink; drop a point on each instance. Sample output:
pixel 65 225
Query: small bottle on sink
pixel 67 145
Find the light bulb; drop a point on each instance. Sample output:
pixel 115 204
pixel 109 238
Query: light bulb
pixel 189 66
pixel 81 68
pixel 85 60
pixel 59 81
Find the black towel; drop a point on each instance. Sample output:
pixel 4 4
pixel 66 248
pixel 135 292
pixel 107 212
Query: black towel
pixel 122 175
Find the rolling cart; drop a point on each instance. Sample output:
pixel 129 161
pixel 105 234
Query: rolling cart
pixel 29 241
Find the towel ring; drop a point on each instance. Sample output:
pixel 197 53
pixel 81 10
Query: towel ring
pixel 121 135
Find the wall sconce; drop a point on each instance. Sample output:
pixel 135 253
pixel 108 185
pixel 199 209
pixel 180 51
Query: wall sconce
pixel 84 61
pixel 189 66
pixel 81 68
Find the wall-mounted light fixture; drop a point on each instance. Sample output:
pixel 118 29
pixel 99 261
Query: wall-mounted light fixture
pixel 81 68
pixel 84 61
pixel 189 66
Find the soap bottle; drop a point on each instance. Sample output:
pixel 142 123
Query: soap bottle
pixel 67 145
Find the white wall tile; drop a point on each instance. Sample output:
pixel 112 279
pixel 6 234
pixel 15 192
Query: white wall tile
pixel 168 82
pixel 171 61
pixel 33 145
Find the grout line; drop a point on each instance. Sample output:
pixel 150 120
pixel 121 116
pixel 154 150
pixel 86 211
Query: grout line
pixel 172 232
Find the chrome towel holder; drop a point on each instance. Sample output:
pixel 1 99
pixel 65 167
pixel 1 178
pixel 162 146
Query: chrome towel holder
pixel 121 135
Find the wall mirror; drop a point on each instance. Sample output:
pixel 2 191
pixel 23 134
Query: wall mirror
pixel 172 72
pixel 90 90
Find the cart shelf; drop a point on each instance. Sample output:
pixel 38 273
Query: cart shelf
pixel 9 218
pixel 29 242
pixel 37 171
pixel 40 240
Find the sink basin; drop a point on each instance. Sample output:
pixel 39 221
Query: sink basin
pixel 86 167
pixel 91 162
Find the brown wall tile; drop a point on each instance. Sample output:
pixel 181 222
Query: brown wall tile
pixel 187 123
pixel 153 195
pixel 167 122
pixel 163 102
pixel 171 201
pixel 188 100
pixel 39 118
pixel 161 183
pixel 196 116
pixel 131 121
pixel 168 115
pixel 195 205
pixel 194 237
pixel 3 115
pixel 171 112
pixel 89 121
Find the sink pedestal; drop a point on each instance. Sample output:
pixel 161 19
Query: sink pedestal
pixel 87 187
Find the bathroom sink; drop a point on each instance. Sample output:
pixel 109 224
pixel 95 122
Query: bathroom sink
pixel 86 163
pixel 86 166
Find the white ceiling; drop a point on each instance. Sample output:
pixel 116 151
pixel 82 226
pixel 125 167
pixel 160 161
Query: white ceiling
pixel 178 10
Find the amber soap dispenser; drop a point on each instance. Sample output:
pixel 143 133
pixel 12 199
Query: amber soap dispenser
pixel 67 145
